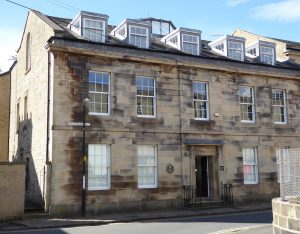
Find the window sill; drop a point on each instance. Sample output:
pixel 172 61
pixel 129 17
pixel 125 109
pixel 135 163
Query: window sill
pixel 248 122
pixel 147 116
pixel 250 183
pixel 148 187
pixel 99 114
pixel 98 189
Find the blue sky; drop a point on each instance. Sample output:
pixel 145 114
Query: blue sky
pixel 274 18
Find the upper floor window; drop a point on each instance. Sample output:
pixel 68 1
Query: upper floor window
pixel 279 107
pixel 138 36
pixel 235 50
pixel 201 104
pixel 98 167
pixel 146 97
pixel 28 52
pixel 250 166
pixel 94 30
pixel 190 44
pixel 247 104
pixel 99 93
pixel 267 55
pixel 147 166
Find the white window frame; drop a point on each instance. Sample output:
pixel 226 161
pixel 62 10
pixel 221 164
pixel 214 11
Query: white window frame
pixel 198 100
pixel 108 168
pixel 261 55
pixel 107 93
pixel 234 49
pixel 255 164
pixel 141 35
pixel 154 98
pixel 253 104
pixel 155 185
pixel 284 106
pixel 93 28
pixel 189 42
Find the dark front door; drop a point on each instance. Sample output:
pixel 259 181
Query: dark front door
pixel 201 176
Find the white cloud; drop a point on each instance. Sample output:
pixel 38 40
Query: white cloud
pixel 10 39
pixel 234 3
pixel 283 11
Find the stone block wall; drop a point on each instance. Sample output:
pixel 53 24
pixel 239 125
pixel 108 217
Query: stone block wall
pixel 12 190
pixel 286 216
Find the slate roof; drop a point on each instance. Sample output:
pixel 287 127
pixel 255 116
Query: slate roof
pixel 156 45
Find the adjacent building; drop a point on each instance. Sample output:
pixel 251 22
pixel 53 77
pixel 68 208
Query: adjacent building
pixel 4 114
pixel 166 109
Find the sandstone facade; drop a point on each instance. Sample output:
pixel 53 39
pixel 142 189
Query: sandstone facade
pixel 63 67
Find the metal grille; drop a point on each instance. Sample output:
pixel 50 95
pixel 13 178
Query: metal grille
pixel 289 167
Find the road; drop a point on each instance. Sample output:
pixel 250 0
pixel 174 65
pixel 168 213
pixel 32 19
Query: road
pixel 255 222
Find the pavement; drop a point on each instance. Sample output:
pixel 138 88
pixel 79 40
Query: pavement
pixel 47 222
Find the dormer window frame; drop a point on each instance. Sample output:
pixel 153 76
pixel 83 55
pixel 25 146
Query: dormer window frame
pixel 261 54
pixel 226 41
pixel 79 25
pixel 103 29
pixel 180 33
pixel 258 45
pixel 189 43
pixel 241 49
pixel 130 35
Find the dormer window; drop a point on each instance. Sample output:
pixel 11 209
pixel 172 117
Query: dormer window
pixel 134 32
pixel 267 55
pixel 91 26
pixel 263 51
pixel 186 40
pixel 235 50
pixel 138 36
pixel 94 30
pixel 229 46
pixel 190 44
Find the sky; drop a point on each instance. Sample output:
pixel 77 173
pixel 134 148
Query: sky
pixel 273 18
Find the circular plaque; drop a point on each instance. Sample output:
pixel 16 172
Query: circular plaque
pixel 170 168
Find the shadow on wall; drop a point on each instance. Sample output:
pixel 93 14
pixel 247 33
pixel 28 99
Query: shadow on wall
pixel 34 176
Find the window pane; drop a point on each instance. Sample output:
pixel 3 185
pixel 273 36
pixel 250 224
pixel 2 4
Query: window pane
pixel 99 92
pixel 145 96
pixel 246 103
pixel 279 107
pixel 98 167
pixel 200 95
pixel 250 166
pixel 147 166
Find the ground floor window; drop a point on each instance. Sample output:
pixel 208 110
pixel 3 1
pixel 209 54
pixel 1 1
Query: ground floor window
pixel 147 166
pixel 250 167
pixel 98 167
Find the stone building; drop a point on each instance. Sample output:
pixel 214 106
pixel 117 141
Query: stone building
pixel 4 114
pixel 166 109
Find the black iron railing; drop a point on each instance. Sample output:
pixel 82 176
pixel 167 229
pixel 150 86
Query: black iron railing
pixel 191 196
pixel 227 194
